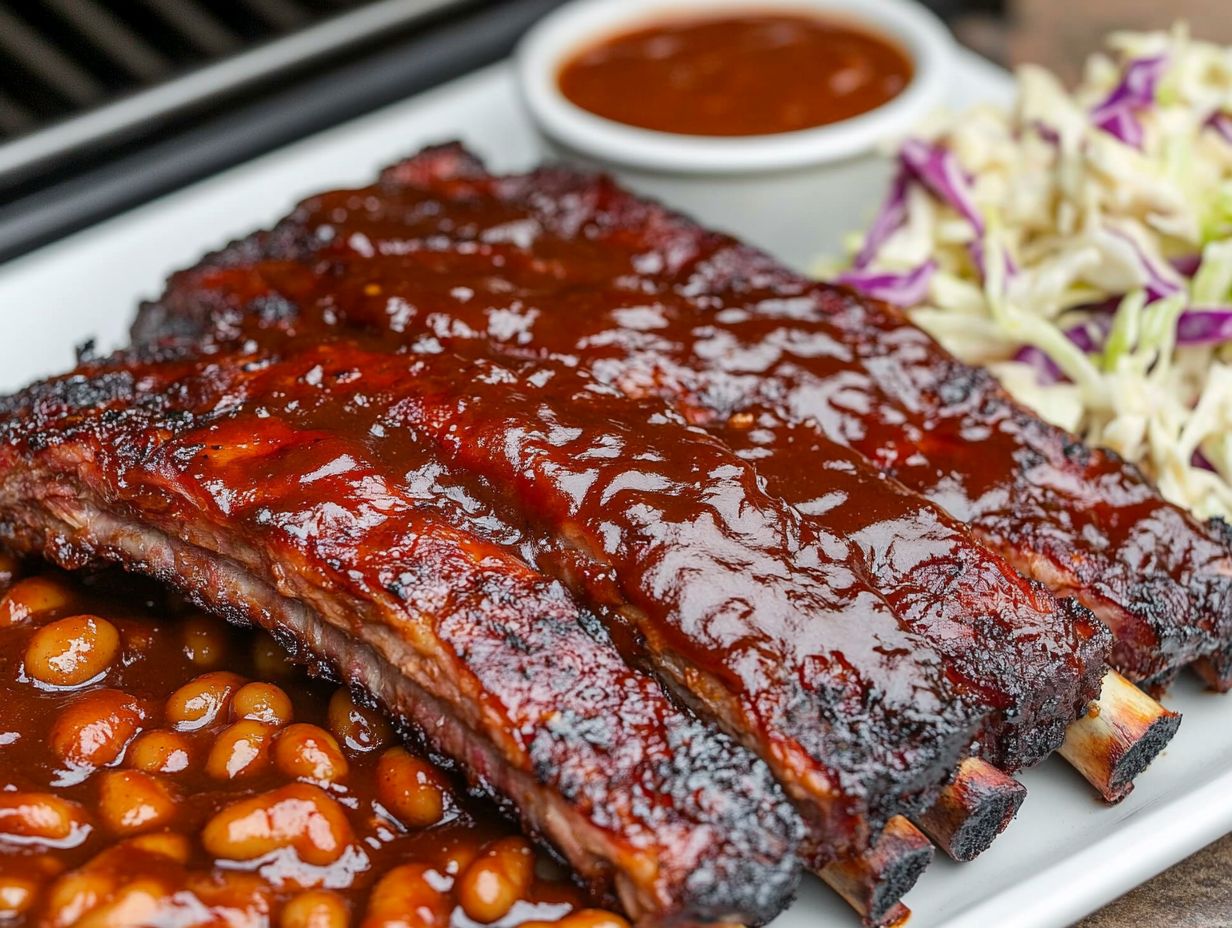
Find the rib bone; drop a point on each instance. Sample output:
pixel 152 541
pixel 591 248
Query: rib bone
pixel 1118 738
pixel 874 882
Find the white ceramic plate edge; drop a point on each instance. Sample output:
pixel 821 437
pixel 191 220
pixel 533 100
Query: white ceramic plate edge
pixel 1066 855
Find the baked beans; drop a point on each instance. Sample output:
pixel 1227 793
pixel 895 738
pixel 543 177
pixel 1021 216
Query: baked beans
pixel 316 908
pixel 160 751
pixel 131 801
pixel 306 752
pixel 496 879
pixel 168 769
pixel 269 661
pixel 205 640
pixel 17 895
pixel 72 651
pixel 33 599
pixel 300 816
pixel 167 844
pixel 41 818
pixel 262 702
pixel 410 788
pixel 202 701
pixel 360 730
pixel 95 728
pixel 241 751
pixel 405 897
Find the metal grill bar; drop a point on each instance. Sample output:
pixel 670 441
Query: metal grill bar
pixel 445 48
pixel 123 116
pixel 110 34
pixel 37 55
pixel 283 14
pixel 13 116
pixel 197 25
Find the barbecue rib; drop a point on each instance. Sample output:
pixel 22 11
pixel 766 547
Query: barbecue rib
pixel 1037 659
pixel 768 625
pixel 1078 518
pixel 661 527
pixel 441 252
pixel 535 278
pixel 194 472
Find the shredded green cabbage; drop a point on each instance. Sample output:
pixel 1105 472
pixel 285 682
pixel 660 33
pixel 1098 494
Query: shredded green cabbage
pixel 1114 225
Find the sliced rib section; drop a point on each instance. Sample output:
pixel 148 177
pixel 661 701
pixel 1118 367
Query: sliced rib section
pixel 572 268
pixel 195 472
pixel 1076 517
pixel 438 239
pixel 1039 660
pixel 765 624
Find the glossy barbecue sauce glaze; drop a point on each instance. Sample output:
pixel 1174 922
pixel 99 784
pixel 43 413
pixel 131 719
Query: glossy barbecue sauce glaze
pixel 665 310
pixel 738 75
pixel 440 253
pixel 158 767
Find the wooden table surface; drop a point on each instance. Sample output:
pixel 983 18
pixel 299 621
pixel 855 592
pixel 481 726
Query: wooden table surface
pixel 1196 893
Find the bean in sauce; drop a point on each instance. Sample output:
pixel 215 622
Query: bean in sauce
pixel 174 771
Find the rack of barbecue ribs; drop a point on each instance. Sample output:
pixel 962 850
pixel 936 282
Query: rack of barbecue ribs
pixel 333 550
pixel 688 559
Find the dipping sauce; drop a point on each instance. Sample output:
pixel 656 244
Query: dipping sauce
pixel 161 768
pixel 748 74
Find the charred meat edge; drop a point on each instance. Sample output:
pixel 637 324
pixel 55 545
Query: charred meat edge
pixel 60 519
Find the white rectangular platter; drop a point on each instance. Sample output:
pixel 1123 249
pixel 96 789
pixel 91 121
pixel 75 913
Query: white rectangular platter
pixel 1065 856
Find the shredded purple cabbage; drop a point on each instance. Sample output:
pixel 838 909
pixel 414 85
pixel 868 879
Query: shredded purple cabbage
pixel 1194 327
pixel 1046 370
pixel 1089 336
pixel 1222 123
pixel 890 217
pixel 938 169
pixel 1204 327
pixel 1108 306
pixel 902 289
pixel 1123 125
pixel 976 250
pixel 1159 282
pixel 1187 264
pixel 1137 86
pixel 1047 132
pixel 1200 460
pixel 1118 113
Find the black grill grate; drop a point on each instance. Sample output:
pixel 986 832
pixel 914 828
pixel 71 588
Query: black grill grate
pixel 61 57
pixel 107 103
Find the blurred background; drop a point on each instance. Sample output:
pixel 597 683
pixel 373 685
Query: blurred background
pixel 106 103
pixel 1061 33
pixel 58 57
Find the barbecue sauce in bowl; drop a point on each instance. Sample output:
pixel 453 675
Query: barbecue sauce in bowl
pixel 159 767
pixel 744 74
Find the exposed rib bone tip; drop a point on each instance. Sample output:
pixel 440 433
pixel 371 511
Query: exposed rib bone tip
pixel 1117 740
pixel 874 882
pixel 973 810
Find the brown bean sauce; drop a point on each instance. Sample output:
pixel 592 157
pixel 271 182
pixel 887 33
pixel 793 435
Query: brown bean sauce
pixel 748 74
pixel 159 767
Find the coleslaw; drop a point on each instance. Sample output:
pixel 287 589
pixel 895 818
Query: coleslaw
pixel 1080 246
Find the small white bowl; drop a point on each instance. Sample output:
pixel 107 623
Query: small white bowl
pixel 578 25
pixel 794 194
